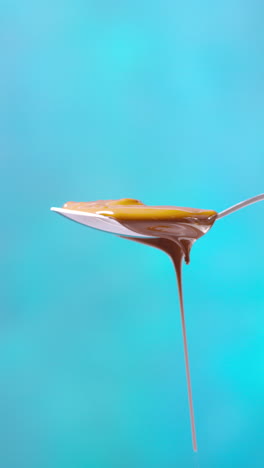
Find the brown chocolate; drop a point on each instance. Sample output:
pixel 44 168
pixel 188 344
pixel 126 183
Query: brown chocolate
pixel 171 229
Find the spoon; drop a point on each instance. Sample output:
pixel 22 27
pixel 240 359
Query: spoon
pixel 104 223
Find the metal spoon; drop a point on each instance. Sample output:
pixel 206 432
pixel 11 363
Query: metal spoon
pixel 104 223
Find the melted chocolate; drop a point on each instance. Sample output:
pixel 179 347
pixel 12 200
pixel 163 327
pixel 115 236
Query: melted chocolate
pixel 173 230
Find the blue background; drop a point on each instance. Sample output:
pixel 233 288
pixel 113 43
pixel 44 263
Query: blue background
pixel 156 100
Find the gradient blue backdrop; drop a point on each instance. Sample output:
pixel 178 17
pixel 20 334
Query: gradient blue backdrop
pixel 162 101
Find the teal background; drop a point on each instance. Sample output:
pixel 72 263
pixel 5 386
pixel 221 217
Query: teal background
pixel 156 100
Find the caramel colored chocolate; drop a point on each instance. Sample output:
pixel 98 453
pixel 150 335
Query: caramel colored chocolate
pixel 171 229
pixel 181 225
pixel 130 209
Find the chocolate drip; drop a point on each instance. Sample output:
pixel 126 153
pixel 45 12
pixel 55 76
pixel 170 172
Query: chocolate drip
pixel 176 253
pixel 171 229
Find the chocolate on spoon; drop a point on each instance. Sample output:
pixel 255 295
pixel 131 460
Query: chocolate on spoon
pixel 171 229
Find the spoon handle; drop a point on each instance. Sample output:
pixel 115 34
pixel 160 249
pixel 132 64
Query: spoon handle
pixel 240 205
